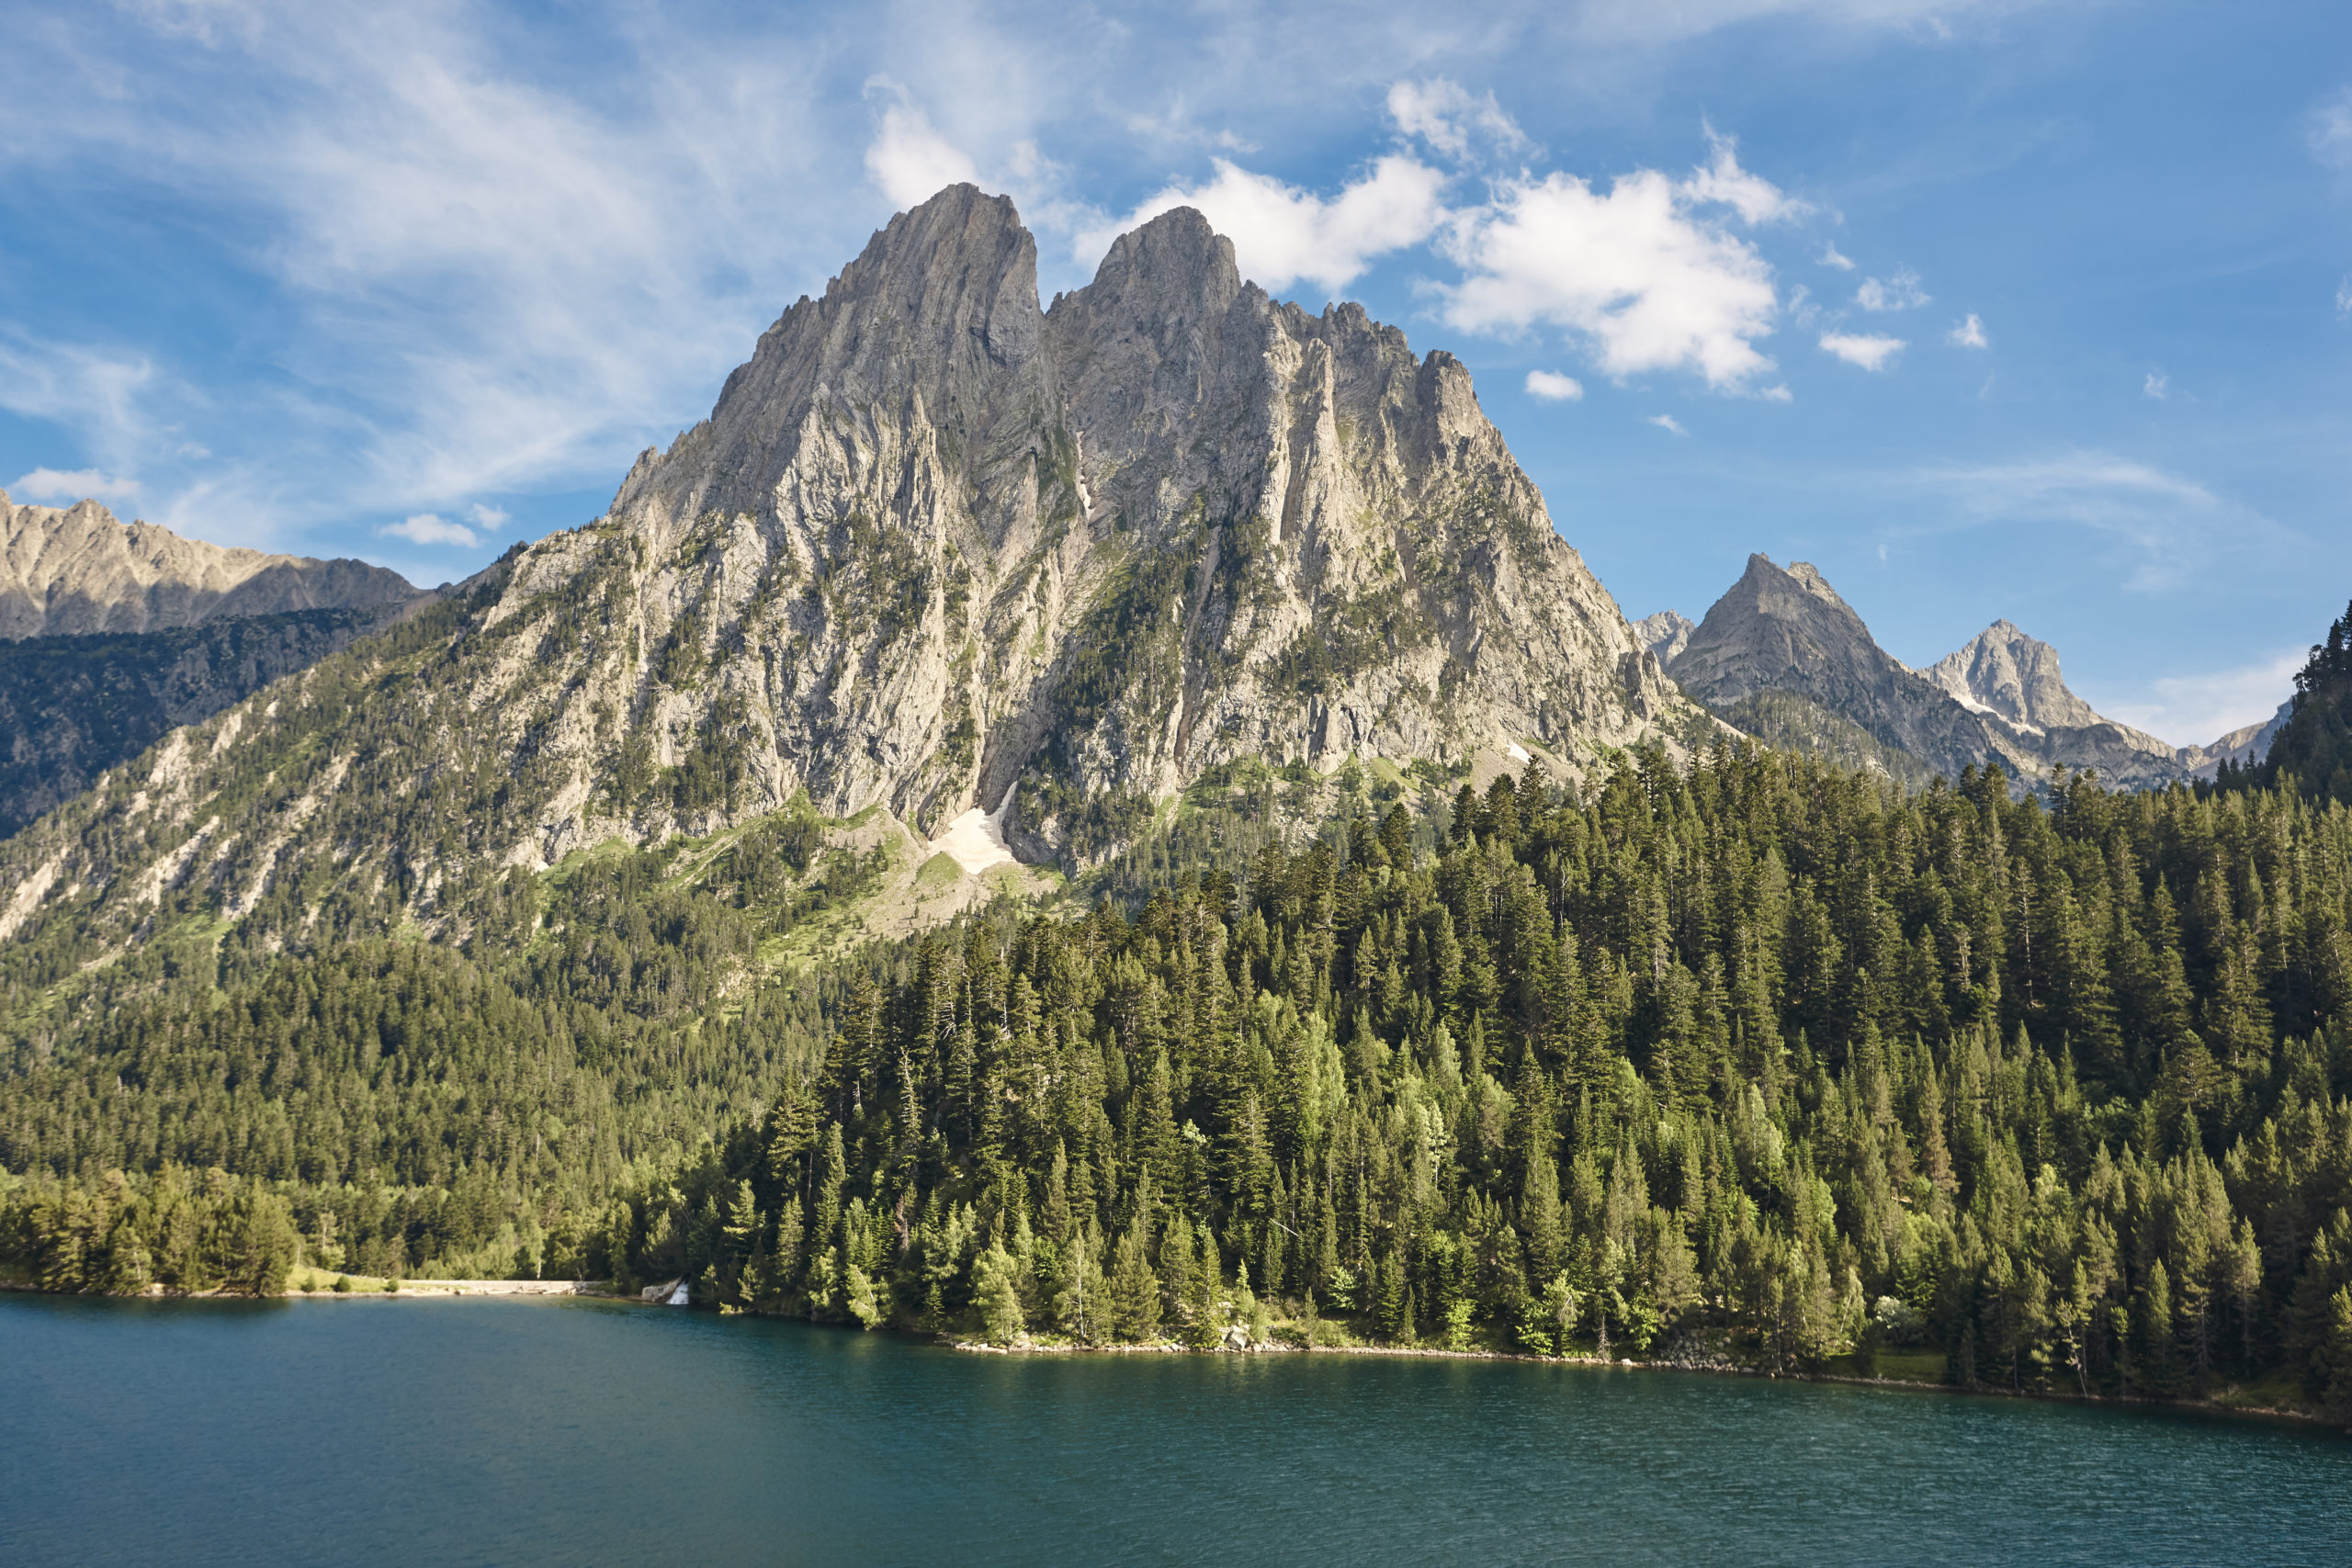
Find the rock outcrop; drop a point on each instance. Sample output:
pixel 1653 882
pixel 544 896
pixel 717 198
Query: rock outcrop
pixel 2241 748
pixel 1666 633
pixel 74 570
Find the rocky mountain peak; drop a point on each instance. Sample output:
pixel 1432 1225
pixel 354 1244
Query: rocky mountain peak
pixel 74 570
pixel 940 551
pixel 2002 671
pixel 1665 634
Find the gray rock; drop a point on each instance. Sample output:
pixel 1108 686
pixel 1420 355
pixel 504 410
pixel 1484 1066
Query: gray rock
pixel 1666 633
pixel 71 572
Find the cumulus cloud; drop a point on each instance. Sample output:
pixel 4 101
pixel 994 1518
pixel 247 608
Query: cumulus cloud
pixel 62 485
pixel 1829 257
pixel 489 518
pixel 1870 352
pixel 1649 279
pixel 1969 333
pixel 1553 387
pixel 1721 179
pixel 1900 292
pixel 1667 423
pixel 1283 234
pixel 908 159
pixel 424 528
pixel 1452 120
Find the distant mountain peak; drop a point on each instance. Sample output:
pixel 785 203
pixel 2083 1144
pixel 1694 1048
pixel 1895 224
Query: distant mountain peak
pixel 77 569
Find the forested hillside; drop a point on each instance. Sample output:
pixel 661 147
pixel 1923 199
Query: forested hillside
pixel 1761 1060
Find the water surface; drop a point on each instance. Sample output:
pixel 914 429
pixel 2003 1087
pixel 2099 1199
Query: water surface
pixel 487 1431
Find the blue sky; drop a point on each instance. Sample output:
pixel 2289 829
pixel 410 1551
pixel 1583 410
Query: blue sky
pixel 2041 311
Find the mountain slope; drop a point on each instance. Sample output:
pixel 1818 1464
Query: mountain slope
pixel 73 571
pixel 935 546
pixel 71 707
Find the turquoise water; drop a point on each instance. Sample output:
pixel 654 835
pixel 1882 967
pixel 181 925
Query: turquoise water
pixel 423 1432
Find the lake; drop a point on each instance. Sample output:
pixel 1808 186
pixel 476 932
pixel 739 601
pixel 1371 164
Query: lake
pixel 489 1431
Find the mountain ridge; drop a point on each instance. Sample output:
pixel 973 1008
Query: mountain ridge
pixel 937 549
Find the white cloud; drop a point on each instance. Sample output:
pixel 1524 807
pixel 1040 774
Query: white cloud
pixel 2167 531
pixel 2158 386
pixel 1721 179
pixel 1969 333
pixel 1283 234
pixel 2343 300
pixel 1829 257
pixel 64 486
pixel 489 518
pixel 424 528
pixel 1667 423
pixel 2328 129
pixel 1860 348
pixel 1652 284
pixel 2197 710
pixel 1446 116
pixel 1553 387
pixel 909 161
pixel 1900 292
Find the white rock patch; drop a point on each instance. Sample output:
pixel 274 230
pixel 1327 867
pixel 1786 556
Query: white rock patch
pixel 1519 753
pixel 975 839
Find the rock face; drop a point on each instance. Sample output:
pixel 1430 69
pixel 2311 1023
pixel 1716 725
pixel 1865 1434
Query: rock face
pixel 1666 633
pixel 72 571
pixel 2001 670
pixel 937 550
pixel 936 544
pixel 1783 656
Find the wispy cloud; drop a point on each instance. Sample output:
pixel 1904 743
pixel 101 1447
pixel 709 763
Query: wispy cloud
pixel 1900 292
pixel 2328 129
pixel 1667 423
pixel 908 158
pixel 1871 352
pixel 2164 531
pixel 1829 257
pixel 1553 387
pixel 1454 121
pixel 2197 710
pixel 1969 333
pixel 74 484
pixel 2158 386
pixel 426 529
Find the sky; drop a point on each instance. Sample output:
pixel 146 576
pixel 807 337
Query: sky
pixel 1988 308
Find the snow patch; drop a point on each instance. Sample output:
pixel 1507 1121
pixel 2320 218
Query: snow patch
pixel 976 839
pixel 1518 754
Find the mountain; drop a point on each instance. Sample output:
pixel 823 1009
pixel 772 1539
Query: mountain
pixel 70 572
pixel 2241 748
pixel 112 635
pixel 1784 658
pixel 939 550
pixel 1666 633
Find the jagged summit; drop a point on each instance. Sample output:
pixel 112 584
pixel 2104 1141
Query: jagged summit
pixel 937 549
pixel 1665 633
pixel 2001 670
pixel 68 571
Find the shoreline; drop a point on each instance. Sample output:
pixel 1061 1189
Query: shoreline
pixel 594 1290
